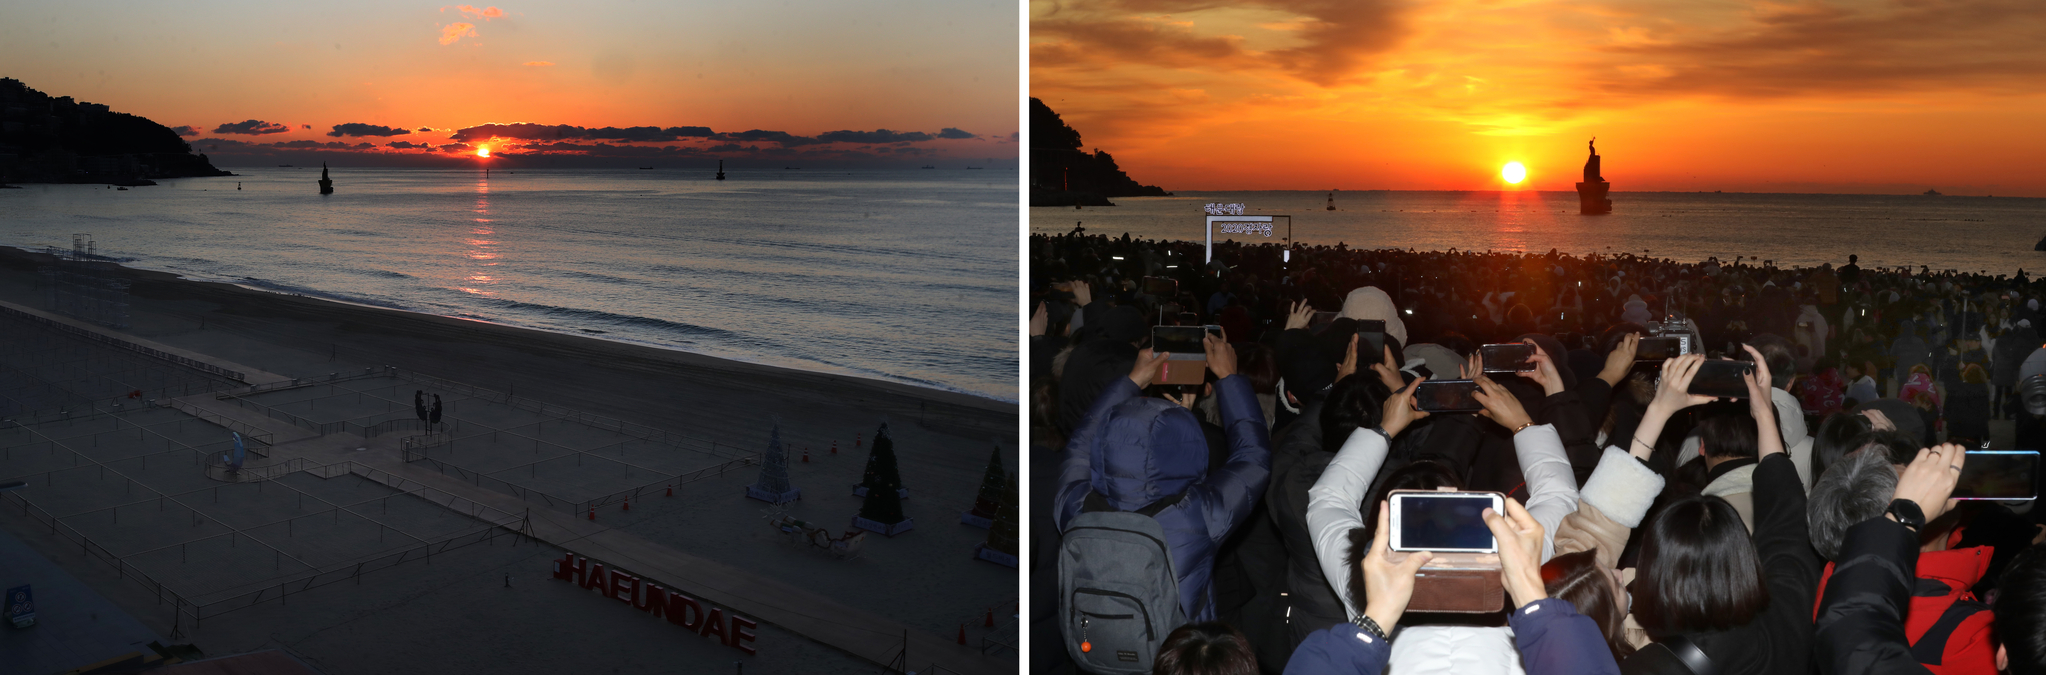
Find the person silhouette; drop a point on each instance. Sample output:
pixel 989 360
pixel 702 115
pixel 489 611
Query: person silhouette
pixel 436 411
pixel 419 404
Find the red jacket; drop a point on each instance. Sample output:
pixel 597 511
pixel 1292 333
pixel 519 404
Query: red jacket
pixel 1950 630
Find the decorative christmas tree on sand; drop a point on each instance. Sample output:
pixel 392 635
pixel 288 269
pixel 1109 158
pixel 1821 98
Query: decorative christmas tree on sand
pixel 990 498
pixel 773 486
pixel 881 467
pixel 1001 539
pixel 882 510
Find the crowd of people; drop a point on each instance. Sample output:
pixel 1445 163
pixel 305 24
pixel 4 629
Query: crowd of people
pixel 1804 526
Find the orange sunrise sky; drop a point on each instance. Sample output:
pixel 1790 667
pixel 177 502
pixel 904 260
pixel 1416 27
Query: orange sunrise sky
pixel 716 79
pixel 1758 96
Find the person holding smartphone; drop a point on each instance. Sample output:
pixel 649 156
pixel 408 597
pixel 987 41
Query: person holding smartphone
pixel 1549 636
pixel 1344 505
pixel 1134 451
pixel 1702 582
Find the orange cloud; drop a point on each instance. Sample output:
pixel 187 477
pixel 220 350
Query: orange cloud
pixel 538 63
pixel 486 13
pixel 456 31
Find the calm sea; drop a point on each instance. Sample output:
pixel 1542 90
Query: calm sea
pixel 1964 233
pixel 900 275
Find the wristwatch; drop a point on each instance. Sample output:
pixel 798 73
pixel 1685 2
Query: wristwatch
pixel 1368 625
pixel 1907 512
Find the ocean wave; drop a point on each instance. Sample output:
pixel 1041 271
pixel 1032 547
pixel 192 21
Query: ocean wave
pixel 603 318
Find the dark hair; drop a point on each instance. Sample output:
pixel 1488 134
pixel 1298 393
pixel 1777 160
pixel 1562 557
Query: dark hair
pixel 1207 648
pixel 1354 403
pixel 1840 433
pixel 1425 474
pixel 1586 585
pixel 1727 431
pixel 1697 571
pixel 1457 342
pixel 1256 362
pixel 1776 352
pixel 2021 612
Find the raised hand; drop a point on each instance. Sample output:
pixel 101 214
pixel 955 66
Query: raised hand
pixel 1520 552
pixel 1673 393
pixel 1388 374
pixel 1929 479
pixel 1545 371
pixel 1500 405
pixel 1081 296
pixel 1621 359
pixel 1349 365
pixel 1769 439
pixel 1221 356
pixel 1146 370
pixel 1299 315
pixel 1399 410
pixel 1388 587
pixel 1039 320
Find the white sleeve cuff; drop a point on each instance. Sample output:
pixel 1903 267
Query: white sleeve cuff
pixel 1621 487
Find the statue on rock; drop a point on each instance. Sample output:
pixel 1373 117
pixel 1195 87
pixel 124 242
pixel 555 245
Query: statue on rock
pixel 1591 194
pixel 326 184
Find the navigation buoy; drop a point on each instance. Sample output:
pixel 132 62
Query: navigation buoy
pixel 856 440
pixel 834 447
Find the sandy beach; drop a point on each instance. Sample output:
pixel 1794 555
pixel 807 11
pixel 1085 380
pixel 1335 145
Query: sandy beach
pixel 923 580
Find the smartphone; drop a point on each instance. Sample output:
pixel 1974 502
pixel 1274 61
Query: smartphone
pixel 1508 358
pixel 1370 341
pixel 1161 286
pixel 1188 363
pixel 1658 349
pixel 1452 396
pixel 1999 474
pixel 1449 522
pixel 1722 379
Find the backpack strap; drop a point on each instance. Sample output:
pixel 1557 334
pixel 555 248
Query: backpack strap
pixel 1095 503
pixel 1692 657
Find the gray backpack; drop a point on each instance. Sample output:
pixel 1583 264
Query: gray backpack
pixel 1117 590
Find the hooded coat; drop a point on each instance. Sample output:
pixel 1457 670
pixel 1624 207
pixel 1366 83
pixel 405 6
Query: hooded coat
pixel 1370 303
pixel 1135 451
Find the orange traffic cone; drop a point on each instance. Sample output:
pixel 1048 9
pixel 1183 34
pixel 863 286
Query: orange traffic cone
pixel 671 489
pixel 990 618
pixel 628 504
pixel 962 633
pixel 856 440
pixel 834 447
pixel 593 513
pixel 806 457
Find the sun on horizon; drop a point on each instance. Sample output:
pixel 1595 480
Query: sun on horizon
pixel 483 152
pixel 1513 172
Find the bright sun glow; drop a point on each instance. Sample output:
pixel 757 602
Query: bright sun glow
pixel 1513 172
pixel 485 152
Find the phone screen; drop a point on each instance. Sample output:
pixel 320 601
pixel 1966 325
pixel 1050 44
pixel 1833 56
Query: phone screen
pixel 1447 396
pixel 1999 474
pixel 1722 379
pixel 1444 522
pixel 1180 340
pixel 1509 358
pixel 1370 341
pixel 1658 349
